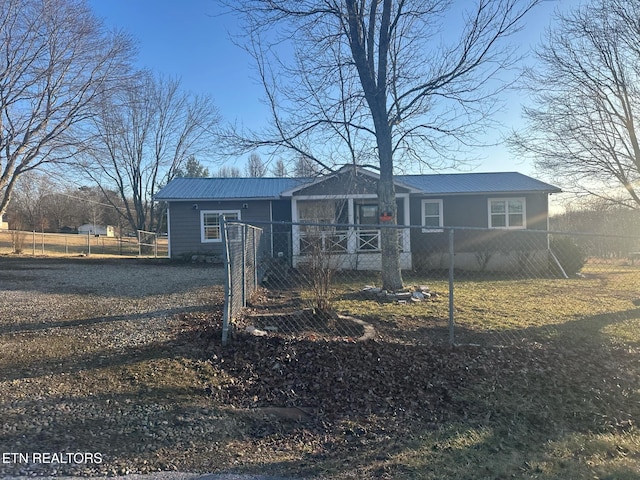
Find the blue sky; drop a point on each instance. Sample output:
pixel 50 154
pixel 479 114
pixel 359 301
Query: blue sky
pixel 190 40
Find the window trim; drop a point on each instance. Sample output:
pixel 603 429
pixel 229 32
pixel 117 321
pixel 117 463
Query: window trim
pixel 203 239
pixel 440 226
pixel 506 213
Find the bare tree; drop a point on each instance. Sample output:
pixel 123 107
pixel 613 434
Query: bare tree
pixel 229 172
pixel 96 206
pixel 280 170
pixel 42 203
pixel 146 133
pixel 583 129
pixel 55 61
pixel 305 167
pixel 32 194
pixel 255 166
pixel 378 80
pixel 60 210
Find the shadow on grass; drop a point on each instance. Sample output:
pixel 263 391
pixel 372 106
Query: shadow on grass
pixel 583 332
pixel 66 361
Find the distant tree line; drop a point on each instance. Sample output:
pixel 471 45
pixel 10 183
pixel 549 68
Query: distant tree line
pixel 618 227
pixel 42 204
pixel 301 166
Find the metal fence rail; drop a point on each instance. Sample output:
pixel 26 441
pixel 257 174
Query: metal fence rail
pixel 461 285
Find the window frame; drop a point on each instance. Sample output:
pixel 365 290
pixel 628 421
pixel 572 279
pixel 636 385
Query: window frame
pixel 203 238
pixel 440 227
pixel 507 225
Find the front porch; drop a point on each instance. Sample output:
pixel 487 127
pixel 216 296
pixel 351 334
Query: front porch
pixel 343 231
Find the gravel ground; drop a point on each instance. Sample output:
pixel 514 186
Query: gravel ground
pixel 85 365
pixel 125 303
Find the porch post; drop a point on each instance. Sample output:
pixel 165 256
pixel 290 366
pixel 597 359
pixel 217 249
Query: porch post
pixel 406 232
pixel 295 232
pixel 352 241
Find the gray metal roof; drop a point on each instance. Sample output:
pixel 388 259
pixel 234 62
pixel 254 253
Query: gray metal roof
pixel 468 183
pixel 271 188
pixel 227 188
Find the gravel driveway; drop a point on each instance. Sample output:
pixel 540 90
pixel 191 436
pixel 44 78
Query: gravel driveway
pixel 94 358
pixel 137 297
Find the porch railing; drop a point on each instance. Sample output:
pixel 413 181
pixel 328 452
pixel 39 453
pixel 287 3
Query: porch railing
pixel 367 240
pixel 326 241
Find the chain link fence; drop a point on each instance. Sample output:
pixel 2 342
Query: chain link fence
pixel 240 254
pixel 462 285
pixel 81 244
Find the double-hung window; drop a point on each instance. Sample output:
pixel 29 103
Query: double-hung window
pixel 507 213
pixel 432 217
pixel 210 223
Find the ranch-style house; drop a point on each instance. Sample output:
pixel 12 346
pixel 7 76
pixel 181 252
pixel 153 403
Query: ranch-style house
pixel 496 204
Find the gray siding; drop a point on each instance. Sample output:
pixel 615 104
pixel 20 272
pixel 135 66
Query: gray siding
pixel 185 233
pixel 472 211
pixel 281 244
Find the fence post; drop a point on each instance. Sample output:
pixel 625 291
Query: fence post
pixel 243 229
pixel 228 292
pixel 451 287
pixel 255 258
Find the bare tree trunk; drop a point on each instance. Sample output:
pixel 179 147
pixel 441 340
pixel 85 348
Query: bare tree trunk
pixel 388 210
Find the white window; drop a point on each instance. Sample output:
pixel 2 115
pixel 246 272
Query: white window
pixel 432 217
pixel 507 213
pixel 210 223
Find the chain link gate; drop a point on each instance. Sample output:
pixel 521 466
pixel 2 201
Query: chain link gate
pixel 240 251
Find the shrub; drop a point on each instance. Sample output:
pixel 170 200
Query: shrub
pixel 570 255
pixel 18 240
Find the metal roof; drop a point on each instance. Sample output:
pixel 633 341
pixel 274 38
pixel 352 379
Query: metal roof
pixel 227 188
pixel 272 188
pixel 470 183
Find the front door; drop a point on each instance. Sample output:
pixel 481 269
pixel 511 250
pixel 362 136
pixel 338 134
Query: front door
pixel 367 215
pixel 368 236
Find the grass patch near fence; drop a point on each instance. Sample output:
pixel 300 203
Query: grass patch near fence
pixel 603 301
